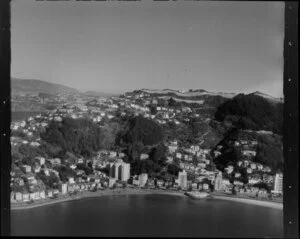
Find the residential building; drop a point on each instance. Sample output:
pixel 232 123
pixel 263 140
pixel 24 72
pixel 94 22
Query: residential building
pixel 120 170
pixel 218 182
pixel 143 179
pixel 278 183
pixel 64 188
pixel 18 196
pixel 125 175
pixel 182 179
pixel 26 168
pixel 144 156
pixel 111 182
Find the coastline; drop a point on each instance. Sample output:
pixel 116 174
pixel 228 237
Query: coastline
pixel 134 191
pixel 274 205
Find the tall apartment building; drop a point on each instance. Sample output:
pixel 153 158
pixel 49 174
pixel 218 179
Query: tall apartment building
pixel 218 182
pixel 64 188
pixel 120 170
pixel 182 179
pixel 278 183
pixel 125 172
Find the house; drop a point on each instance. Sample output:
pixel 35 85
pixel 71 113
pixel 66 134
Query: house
pixel 42 194
pixel 172 148
pixel 34 195
pixel 178 155
pixel 34 144
pixel 73 166
pixel 249 170
pixel 253 165
pixel 169 159
pixel 160 183
pixel 112 154
pixel 246 163
pixel 144 156
pixel 266 169
pixel 26 168
pixel 41 160
pixel 25 197
pixel 19 181
pixel 259 166
pixel 49 193
pixel 249 153
pixel 238 183
pixel 71 180
pixel 56 161
pixel 252 181
pixel 46 171
pixel 18 196
pixel 194 186
pixel 121 155
pixel 205 186
pixel 217 153
pixel 225 182
pixel 112 182
pixel 229 169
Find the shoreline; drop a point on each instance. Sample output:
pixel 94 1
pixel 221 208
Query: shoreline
pixel 116 192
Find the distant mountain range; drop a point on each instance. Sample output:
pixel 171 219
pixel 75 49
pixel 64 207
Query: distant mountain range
pixel 201 94
pixel 38 86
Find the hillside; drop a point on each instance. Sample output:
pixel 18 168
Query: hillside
pixel 269 148
pixel 268 97
pixel 252 112
pixel 100 94
pixel 35 86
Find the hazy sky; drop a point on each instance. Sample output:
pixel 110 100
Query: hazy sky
pixel 119 46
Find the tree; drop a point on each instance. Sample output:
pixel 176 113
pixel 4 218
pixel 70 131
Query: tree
pixel 173 169
pixel 153 110
pixel 171 102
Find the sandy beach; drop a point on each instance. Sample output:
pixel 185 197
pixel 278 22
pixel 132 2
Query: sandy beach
pixel 82 195
pixel 274 205
pixel 135 191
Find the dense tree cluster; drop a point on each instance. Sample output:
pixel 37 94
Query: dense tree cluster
pixel 79 136
pixel 270 151
pixel 143 130
pixel 141 135
pixel 252 112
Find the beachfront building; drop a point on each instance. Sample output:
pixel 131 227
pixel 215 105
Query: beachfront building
pixel 143 179
pixel 111 182
pixel 119 170
pixel 64 188
pixel 278 179
pixel 125 172
pixel 182 179
pixel 218 182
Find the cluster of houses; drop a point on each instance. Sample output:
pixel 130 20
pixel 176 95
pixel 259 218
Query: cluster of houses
pixel 192 159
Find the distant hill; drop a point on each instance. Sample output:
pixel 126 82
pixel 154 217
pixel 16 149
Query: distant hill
pixel 191 94
pixel 38 86
pixel 101 94
pixel 268 97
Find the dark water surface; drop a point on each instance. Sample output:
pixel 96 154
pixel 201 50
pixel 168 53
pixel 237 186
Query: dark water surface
pixel 149 215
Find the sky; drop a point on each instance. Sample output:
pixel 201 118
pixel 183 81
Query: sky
pixel 115 47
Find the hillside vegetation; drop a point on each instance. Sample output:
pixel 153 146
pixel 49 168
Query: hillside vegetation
pixel 252 112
